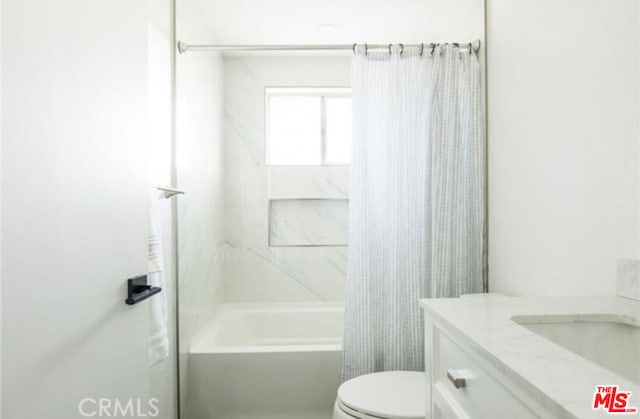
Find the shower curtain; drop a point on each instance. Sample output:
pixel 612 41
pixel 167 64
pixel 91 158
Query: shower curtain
pixel 416 214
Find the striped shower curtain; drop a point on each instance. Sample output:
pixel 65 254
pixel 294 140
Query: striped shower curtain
pixel 416 199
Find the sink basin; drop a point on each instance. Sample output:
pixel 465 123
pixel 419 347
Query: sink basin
pixel 613 342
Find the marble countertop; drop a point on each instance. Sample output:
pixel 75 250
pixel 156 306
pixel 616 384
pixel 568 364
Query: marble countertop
pixel 561 380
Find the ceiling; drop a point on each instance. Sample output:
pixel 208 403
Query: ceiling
pixel 335 21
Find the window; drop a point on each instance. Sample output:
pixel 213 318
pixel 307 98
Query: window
pixel 308 126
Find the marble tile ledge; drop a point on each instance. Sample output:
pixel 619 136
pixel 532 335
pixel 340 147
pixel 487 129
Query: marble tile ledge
pixel 557 377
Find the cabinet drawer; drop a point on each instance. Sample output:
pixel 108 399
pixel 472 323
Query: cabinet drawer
pixel 481 395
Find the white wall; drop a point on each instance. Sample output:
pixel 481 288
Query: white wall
pixel 74 210
pixel 254 271
pixel 199 130
pixel 0 208
pixel 163 378
pixel 372 21
pixel 563 144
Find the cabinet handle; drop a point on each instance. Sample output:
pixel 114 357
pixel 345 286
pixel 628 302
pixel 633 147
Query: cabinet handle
pixel 456 379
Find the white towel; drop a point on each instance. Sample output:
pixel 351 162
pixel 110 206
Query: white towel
pixel 158 329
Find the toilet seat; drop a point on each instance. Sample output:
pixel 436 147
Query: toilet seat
pixel 384 395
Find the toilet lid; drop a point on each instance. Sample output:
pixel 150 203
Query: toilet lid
pixel 390 394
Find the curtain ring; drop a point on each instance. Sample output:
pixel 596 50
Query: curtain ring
pixel 366 49
pixel 401 49
pixel 354 48
pixel 390 45
pixel 433 48
pixel 470 48
pixel 421 49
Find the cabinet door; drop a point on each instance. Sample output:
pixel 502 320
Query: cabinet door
pixel 444 405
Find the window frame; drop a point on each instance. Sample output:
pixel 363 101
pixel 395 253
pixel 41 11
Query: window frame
pixel 323 92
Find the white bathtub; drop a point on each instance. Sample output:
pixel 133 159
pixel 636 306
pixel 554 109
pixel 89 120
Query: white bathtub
pixel 266 361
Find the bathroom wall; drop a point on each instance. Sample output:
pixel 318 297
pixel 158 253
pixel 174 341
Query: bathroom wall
pixel 563 144
pixel 74 204
pixel 162 379
pixel 254 271
pixel 200 212
pixel 337 21
pixel 0 205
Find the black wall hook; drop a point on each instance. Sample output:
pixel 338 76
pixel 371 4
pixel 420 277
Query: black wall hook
pixel 138 290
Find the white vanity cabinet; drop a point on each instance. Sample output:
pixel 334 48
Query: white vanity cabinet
pixel 463 384
pixel 483 363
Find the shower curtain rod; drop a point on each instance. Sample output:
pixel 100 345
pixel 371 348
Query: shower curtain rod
pixel 184 47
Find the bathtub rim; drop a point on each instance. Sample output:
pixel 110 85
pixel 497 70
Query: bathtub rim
pixel 197 345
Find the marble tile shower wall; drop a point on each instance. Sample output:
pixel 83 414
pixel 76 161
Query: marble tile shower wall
pixel 629 278
pixel 253 271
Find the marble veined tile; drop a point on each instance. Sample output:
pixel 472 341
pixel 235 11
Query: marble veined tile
pixel 629 278
pixel 308 182
pixel 308 222
pixel 253 271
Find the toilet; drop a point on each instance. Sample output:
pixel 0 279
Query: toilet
pixel 386 395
